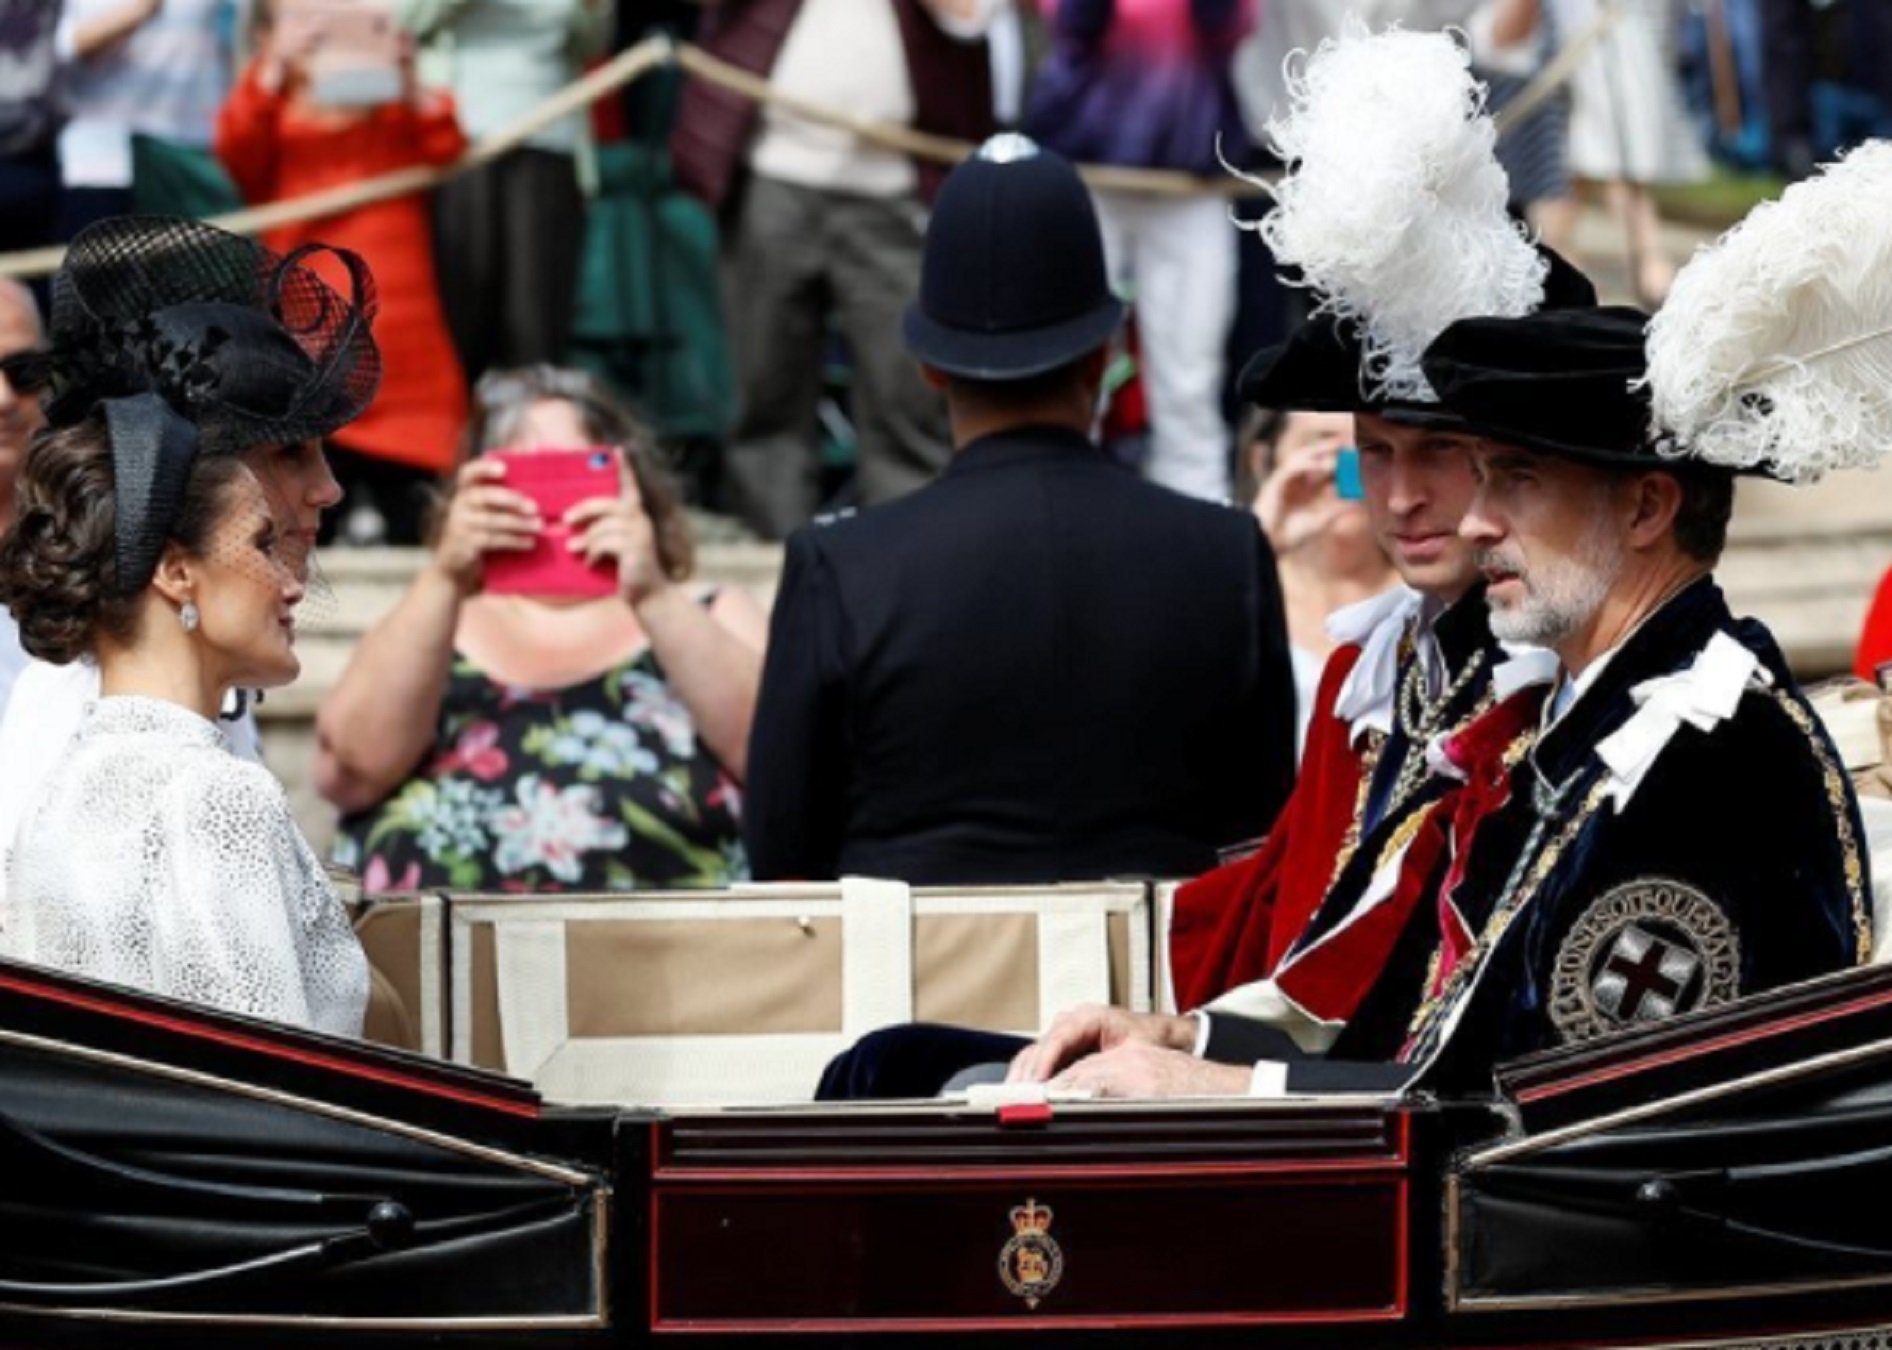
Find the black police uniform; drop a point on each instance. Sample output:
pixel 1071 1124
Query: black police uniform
pixel 1039 668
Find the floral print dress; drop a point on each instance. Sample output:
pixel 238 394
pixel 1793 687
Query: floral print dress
pixel 597 786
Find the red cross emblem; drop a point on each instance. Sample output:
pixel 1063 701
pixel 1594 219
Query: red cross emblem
pixel 1645 976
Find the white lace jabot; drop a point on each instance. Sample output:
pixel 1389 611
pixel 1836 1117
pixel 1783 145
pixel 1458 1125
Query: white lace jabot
pixel 156 858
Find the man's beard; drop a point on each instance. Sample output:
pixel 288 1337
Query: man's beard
pixel 1561 595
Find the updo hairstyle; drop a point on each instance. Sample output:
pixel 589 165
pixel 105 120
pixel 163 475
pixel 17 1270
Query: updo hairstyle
pixel 58 562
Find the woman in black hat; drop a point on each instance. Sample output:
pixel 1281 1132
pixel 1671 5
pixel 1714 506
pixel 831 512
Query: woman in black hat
pixel 185 363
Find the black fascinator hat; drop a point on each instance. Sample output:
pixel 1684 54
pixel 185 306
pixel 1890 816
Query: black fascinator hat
pixel 190 339
pixel 251 347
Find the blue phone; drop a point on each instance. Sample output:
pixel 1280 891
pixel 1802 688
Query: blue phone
pixel 1347 475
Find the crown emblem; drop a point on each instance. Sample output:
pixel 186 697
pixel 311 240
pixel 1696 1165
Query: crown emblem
pixel 1031 1217
pixel 1031 1263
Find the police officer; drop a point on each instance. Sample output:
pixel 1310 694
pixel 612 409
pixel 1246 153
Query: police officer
pixel 1038 668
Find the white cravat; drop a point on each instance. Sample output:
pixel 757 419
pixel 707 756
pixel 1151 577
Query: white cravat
pixel 1703 696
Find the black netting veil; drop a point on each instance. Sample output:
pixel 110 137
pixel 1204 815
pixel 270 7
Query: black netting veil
pixel 251 347
pixel 190 340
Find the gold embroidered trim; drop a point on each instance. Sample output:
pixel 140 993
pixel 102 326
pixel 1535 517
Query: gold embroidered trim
pixel 1430 1017
pixel 1837 796
pixel 1414 770
pixel 1350 841
pixel 1407 831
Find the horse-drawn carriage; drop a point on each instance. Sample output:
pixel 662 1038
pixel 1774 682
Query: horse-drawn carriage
pixel 180 1177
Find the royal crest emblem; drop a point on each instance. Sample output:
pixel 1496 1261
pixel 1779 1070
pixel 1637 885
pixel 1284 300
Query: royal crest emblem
pixel 1031 1263
pixel 1645 951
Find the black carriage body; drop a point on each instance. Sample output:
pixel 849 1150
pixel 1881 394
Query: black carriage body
pixel 179 1178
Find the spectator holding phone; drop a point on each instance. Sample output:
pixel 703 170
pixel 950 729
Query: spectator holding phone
pixel 1301 473
pixel 324 103
pixel 569 741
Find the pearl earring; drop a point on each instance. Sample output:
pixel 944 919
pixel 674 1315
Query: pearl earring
pixel 188 616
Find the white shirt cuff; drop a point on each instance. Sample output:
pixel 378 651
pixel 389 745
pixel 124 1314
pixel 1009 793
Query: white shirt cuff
pixel 1270 1079
pixel 1201 1046
pixel 974 25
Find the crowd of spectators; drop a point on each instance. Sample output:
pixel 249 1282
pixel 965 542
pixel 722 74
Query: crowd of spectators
pixel 482 740
pixel 799 400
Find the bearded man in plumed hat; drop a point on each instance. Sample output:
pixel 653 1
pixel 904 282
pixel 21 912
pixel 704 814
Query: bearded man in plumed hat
pixel 1290 942
pixel 1682 832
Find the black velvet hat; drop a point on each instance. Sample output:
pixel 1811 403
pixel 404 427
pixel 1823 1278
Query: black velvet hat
pixel 1318 368
pixel 1565 382
pixel 1012 278
pixel 188 339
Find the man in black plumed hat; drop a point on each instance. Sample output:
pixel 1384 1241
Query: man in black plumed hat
pixel 1038 668
pixel 1681 833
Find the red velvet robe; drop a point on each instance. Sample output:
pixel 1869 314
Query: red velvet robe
pixel 1875 640
pixel 1233 926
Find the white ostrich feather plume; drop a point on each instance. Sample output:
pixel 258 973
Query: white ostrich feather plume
pixel 1774 348
pixel 1393 205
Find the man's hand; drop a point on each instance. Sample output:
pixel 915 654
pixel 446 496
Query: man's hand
pixel 1138 1069
pixel 1091 1027
pixel 287 52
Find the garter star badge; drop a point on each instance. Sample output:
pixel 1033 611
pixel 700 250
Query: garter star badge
pixel 1645 951
pixel 1032 1263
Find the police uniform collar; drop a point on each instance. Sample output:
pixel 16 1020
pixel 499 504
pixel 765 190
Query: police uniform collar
pixel 1021 444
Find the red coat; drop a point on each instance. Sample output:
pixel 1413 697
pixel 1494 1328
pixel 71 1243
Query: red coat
pixel 1875 642
pixel 1234 926
pixel 273 149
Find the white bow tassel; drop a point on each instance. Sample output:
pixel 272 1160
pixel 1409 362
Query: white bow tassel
pixel 1704 695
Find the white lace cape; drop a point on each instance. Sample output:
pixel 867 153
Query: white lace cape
pixel 157 859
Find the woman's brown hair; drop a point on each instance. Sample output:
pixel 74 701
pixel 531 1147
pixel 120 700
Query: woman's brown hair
pixel 500 401
pixel 59 561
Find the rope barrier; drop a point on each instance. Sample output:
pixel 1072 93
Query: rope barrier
pixel 631 64
pixel 945 149
pixel 662 52
pixel 1560 69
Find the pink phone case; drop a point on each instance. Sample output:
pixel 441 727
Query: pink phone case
pixel 557 480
